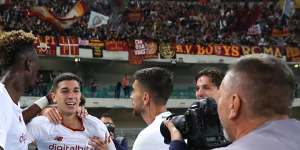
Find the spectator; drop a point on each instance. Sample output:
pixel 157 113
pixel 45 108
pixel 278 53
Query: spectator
pixel 120 142
pixel 93 87
pixel 118 89
pixel 125 85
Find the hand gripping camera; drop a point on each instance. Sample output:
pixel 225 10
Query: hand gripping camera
pixel 200 125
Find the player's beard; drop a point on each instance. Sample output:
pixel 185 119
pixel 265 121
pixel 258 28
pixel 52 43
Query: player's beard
pixel 137 111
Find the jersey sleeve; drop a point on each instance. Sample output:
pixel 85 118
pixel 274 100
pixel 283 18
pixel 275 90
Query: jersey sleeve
pixel 36 128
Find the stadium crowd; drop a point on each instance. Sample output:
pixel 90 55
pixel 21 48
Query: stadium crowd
pixel 161 21
pixel 167 21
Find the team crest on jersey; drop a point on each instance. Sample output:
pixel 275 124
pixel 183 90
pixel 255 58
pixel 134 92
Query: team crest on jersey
pixel 59 138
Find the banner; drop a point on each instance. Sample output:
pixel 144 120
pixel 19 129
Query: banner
pixel 139 47
pixel 45 45
pixel 97 19
pixel 275 51
pixel 134 59
pixel 83 43
pixel 151 50
pixel 212 49
pixel 98 47
pixel 166 51
pixel 116 45
pixel 293 54
pixel 68 45
pixel 280 32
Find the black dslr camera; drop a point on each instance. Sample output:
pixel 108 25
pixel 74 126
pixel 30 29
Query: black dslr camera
pixel 110 128
pixel 200 125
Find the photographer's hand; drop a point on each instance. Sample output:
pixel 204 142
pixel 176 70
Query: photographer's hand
pixel 175 134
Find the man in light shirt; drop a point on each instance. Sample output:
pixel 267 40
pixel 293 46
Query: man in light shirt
pixel 151 90
pixel 73 132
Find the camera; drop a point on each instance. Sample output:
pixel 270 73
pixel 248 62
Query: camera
pixel 200 125
pixel 110 127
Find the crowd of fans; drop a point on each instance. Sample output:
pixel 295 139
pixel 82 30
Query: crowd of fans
pixel 165 21
pixel 192 22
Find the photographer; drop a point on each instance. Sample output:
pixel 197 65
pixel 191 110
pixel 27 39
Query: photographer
pixel 201 120
pixel 120 142
pixel 208 82
pixel 255 97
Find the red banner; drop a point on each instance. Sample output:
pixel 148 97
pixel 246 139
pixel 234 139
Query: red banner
pixel 132 58
pixel 45 45
pixel 151 51
pixel 280 32
pixel 139 47
pixel 293 54
pixel 213 49
pixel 68 45
pixel 116 45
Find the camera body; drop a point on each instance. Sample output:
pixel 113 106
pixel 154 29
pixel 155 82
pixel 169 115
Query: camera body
pixel 110 127
pixel 200 125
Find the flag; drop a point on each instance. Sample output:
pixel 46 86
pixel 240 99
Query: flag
pixel 287 12
pixel 60 23
pixel 97 19
pixel 5 2
pixel 78 10
pixel 297 4
pixel 254 30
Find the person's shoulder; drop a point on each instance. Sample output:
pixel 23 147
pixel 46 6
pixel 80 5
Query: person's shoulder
pixel 148 132
pixel 40 121
pixel 93 120
pixel 4 97
pixel 231 147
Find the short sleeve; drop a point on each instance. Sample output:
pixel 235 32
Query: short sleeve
pixel 35 127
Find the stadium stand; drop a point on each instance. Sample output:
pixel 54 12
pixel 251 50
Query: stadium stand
pixel 251 23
